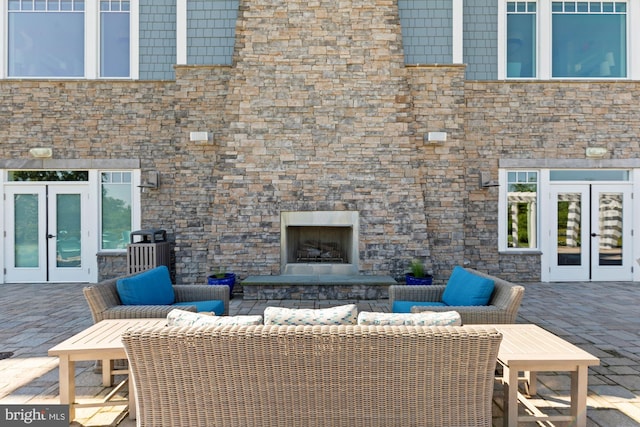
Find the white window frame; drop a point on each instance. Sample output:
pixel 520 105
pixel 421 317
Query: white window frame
pixel 544 42
pixel 502 211
pixel 91 42
pixel 135 203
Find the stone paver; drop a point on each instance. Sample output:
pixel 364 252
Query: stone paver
pixel 600 318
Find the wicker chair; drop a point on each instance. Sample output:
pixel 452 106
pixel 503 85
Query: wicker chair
pixel 105 303
pixel 300 376
pixel 502 308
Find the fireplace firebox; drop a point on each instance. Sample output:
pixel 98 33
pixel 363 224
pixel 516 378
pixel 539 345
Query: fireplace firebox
pixel 319 242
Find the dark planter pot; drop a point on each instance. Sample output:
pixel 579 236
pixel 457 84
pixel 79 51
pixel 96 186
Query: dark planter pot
pixel 229 279
pixel 411 280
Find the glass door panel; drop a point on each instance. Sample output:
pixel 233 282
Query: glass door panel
pixel 25 216
pixel 569 241
pixel 68 231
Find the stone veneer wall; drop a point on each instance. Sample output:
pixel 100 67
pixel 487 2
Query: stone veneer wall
pixel 318 112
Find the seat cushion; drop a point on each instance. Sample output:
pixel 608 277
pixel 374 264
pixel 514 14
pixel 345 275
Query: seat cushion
pixel 465 288
pixel 216 305
pixel 425 318
pixel 340 315
pixel 177 317
pixel 151 287
pixel 405 306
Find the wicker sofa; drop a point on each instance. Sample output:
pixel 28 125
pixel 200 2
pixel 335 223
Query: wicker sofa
pixel 104 301
pixel 313 375
pixel 502 307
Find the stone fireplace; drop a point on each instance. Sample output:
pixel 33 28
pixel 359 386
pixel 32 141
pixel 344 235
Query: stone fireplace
pixel 319 242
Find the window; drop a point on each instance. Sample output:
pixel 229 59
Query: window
pixel 521 39
pixel 70 38
pixel 567 39
pixel 114 38
pixel 46 38
pixel 522 210
pixel 589 39
pixel 115 209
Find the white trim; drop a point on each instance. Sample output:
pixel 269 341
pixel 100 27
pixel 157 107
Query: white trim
pixel 181 32
pixel 134 39
pixel 544 44
pixel 4 48
pixel 91 39
pixel 457 36
pixel 3 173
pixel 502 40
pixel 633 33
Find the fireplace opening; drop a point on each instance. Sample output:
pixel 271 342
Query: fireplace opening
pixel 319 244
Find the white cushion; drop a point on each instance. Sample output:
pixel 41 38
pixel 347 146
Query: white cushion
pixel 340 315
pixel 425 318
pixel 178 317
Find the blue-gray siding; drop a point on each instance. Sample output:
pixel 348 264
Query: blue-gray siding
pixel 157 39
pixel 426 31
pixel 480 50
pixel 211 30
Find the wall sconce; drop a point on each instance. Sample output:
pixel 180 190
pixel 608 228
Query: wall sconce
pixel 41 152
pixel 596 152
pixel 152 182
pixel 485 180
pixel 435 137
pixel 198 136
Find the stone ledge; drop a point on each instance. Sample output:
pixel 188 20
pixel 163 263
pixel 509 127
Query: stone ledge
pixel 338 287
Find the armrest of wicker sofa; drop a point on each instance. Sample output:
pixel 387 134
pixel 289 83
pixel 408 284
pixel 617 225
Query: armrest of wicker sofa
pixel 185 293
pixel 142 311
pixel 431 293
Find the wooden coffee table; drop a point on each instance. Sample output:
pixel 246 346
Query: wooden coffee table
pixel 530 349
pixel 98 342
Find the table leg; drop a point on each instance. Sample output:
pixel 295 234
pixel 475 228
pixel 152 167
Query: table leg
pixel 510 387
pixel 107 369
pixel 133 410
pixel 579 386
pixel 67 370
pixel 532 382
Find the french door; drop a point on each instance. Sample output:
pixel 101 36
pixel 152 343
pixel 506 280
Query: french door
pixel 47 233
pixel 590 233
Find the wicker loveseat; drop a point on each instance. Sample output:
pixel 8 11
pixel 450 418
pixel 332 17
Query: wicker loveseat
pixel 308 376
pixel 104 301
pixel 502 307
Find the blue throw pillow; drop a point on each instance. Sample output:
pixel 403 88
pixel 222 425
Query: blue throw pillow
pixel 151 287
pixel 405 306
pixel 465 288
pixel 216 305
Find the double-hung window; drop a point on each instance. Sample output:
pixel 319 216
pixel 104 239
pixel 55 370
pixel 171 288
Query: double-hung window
pixel 69 39
pixel 566 39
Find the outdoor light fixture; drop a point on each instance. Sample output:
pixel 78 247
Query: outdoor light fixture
pixel 435 137
pixel 485 180
pixel 596 152
pixel 41 152
pixel 198 136
pixel 152 182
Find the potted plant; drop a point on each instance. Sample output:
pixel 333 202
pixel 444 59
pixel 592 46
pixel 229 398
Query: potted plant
pixel 417 276
pixel 221 277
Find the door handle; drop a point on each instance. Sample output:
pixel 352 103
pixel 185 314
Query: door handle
pixel 594 235
pixel 50 236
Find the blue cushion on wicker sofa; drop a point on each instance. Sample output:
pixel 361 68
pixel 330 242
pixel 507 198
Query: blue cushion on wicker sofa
pixel 151 287
pixel 216 306
pixel 465 288
pixel 405 306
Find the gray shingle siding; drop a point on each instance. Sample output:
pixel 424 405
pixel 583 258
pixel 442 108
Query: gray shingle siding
pixel 480 51
pixel 157 39
pixel 426 31
pixel 211 31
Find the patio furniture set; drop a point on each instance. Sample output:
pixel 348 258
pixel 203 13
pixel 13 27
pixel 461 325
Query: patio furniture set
pixel 433 366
